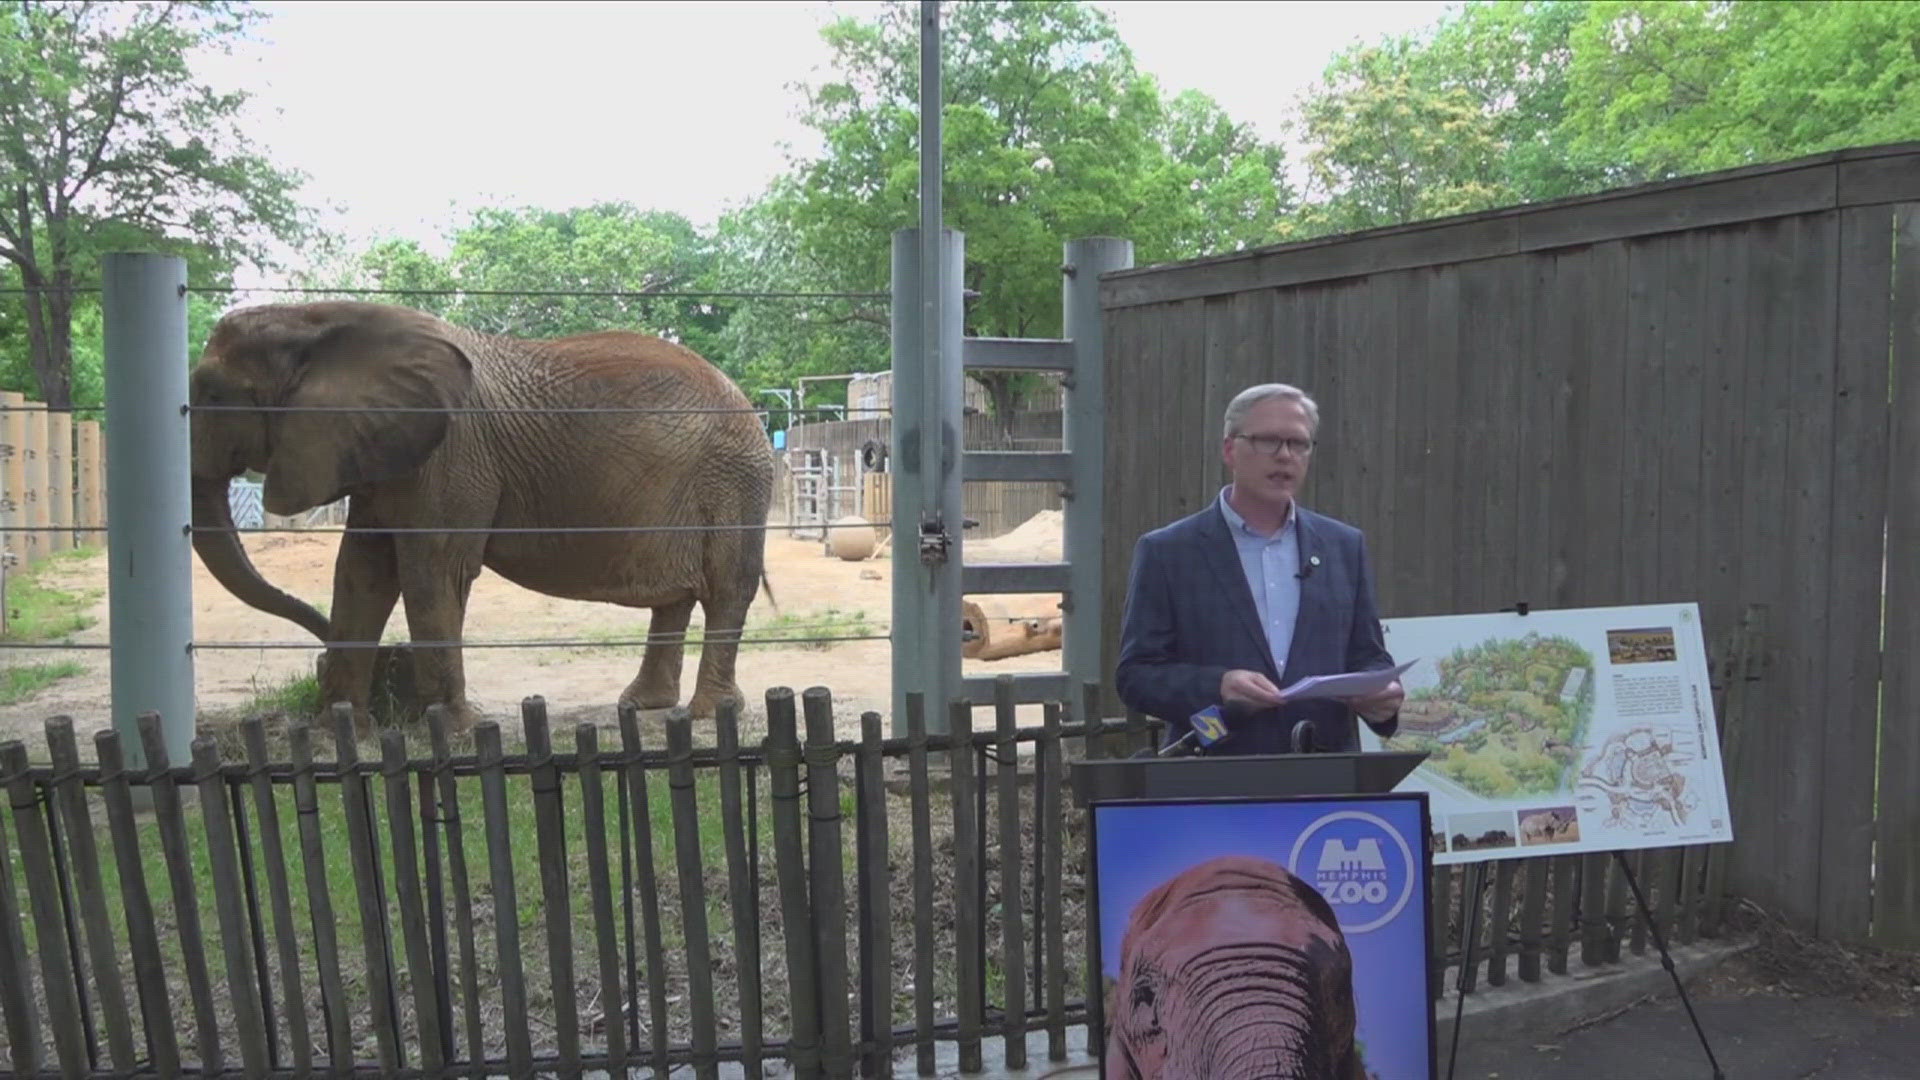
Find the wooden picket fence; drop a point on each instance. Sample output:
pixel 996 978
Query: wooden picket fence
pixel 394 914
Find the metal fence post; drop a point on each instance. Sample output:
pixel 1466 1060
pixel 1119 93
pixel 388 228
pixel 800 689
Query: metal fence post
pixel 149 504
pixel 1082 324
pixel 927 506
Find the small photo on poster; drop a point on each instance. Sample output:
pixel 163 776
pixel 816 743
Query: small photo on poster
pixel 1646 645
pixel 1265 938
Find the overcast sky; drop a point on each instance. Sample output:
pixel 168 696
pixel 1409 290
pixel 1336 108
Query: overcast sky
pixel 405 115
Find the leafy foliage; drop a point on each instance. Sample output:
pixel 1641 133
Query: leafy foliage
pixel 1540 99
pixel 110 142
pixel 1049 132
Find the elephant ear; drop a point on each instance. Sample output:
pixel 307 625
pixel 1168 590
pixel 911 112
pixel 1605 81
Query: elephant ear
pixel 356 372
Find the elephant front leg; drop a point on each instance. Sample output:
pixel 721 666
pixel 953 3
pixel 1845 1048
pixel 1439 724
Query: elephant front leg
pixel 366 585
pixel 658 684
pixel 436 584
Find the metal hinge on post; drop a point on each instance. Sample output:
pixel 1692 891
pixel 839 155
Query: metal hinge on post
pixel 934 543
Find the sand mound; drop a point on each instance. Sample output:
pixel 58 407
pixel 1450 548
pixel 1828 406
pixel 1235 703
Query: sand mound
pixel 1037 539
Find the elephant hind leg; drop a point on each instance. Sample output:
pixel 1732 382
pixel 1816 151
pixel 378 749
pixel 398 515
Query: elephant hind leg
pixel 726 614
pixel 658 684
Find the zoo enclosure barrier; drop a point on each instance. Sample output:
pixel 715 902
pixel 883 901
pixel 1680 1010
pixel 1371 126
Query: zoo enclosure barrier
pixel 399 915
pixel 144 306
pixel 52 481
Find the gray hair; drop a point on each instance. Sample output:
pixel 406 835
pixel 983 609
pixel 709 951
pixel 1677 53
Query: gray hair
pixel 1254 395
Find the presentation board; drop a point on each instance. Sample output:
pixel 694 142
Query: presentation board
pixel 1560 732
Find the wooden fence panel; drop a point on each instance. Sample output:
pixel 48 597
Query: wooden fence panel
pixel 1851 710
pixel 52 480
pixel 39 513
pixel 1897 847
pixel 740 882
pixel 796 914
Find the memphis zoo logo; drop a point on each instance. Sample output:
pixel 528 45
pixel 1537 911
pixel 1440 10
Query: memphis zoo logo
pixel 1361 864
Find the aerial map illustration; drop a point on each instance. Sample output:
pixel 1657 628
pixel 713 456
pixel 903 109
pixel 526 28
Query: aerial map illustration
pixel 1560 731
pixel 1507 717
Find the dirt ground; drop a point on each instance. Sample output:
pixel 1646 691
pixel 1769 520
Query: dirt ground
pixel 817 595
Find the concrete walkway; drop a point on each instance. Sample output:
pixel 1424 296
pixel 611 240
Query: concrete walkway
pixel 1624 1022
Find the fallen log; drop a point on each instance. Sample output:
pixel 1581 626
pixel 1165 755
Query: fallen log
pixel 983 637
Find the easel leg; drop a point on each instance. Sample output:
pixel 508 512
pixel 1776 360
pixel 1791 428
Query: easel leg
pixel 1666 960
pixel 1469 930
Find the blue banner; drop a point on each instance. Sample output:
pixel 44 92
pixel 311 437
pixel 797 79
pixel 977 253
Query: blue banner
pixel 1282 937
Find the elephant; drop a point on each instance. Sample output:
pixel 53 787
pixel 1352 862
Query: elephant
pixel 455 450
pixel 1233 968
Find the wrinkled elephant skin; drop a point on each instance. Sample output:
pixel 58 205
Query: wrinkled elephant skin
pixel 401 412
pixel 1237 969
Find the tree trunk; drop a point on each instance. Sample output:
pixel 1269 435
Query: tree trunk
pixel 53 345
pixel 49 308
pixel 1001 394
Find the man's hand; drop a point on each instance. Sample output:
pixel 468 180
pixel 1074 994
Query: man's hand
pixel 1243 687
pixel 1379 708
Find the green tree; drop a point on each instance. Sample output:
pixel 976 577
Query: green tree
pixel 109 138
pixel 533 272
pixel 1049 132
pixel 1668 89
pixel 1521 102
pixel 1389 145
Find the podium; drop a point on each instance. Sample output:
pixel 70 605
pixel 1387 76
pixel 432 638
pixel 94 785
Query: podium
pixel 1260 776
pixel 1287 892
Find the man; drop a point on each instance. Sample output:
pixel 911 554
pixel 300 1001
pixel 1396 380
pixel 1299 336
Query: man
pixel 1253 593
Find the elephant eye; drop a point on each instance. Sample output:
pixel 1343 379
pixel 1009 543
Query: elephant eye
pixel 1146 1010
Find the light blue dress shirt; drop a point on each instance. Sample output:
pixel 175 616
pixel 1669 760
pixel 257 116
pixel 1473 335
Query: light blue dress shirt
pixel 1272 567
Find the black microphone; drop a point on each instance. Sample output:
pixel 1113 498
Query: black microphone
pixel 1303 741
pixel 1305 571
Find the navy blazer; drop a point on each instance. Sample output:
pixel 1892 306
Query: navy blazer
pixel 1190 618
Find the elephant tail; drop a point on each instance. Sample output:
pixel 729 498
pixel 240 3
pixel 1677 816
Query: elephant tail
pixel 767 584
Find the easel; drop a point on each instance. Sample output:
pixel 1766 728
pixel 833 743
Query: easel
pixel 1470 928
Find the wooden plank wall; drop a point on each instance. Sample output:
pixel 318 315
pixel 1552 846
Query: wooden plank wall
pixel 1691 413
pixel 52 480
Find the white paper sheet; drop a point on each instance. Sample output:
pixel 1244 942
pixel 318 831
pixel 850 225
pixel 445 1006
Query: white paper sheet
pixel 1351 684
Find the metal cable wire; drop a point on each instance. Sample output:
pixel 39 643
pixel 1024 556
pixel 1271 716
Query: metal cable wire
pixel 437 530
pixel 641 410
pixel 630 294
pixel 535 643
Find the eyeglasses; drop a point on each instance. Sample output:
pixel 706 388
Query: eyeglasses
pixel 1271 445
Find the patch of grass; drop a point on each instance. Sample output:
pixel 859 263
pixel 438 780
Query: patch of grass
pixel 298 695
pixel 38 612
pixel 788 630
pixel 17 684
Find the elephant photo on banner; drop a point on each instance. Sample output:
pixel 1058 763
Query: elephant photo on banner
pixel 456 450
pixel 1282 939
pixel 1233 968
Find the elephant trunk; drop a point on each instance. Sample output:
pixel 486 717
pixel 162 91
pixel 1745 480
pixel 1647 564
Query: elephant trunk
pixel 219 548
pixel 1275 1049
